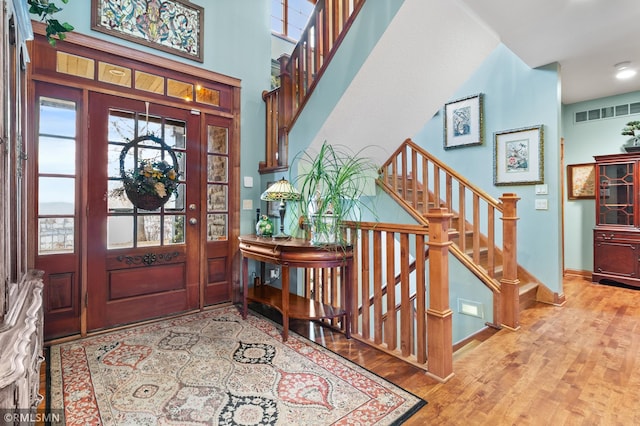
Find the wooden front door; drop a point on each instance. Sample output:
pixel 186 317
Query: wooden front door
pixel 142 264
pixel 107 262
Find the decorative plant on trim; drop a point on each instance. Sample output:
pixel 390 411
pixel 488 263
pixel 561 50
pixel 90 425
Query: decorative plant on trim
pixel 331 183
pixel 632 129
pixel 45 9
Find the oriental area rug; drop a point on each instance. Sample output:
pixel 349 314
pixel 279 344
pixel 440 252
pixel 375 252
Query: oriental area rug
pixel 214 368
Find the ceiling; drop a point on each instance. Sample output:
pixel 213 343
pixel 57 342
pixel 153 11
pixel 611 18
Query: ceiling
pixel 586 37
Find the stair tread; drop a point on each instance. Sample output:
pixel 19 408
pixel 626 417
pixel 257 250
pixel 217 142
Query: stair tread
pixel 528 287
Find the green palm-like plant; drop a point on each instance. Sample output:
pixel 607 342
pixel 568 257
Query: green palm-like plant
pixel 331 182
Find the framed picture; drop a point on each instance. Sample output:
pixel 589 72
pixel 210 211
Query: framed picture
pixel 463 122
pixel 581 181
pixel 174 26
pixel 518 156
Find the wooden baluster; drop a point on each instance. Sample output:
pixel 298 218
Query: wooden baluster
pixel 285 110
pixel 510 282
pixel 421 326
pixel 439 315
pixel 406 309
pixel 390 325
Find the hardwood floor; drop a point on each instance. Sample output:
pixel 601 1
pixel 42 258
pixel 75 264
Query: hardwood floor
pixel 573 365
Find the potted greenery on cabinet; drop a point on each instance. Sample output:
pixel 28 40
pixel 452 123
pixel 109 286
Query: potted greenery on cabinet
pixel 331 183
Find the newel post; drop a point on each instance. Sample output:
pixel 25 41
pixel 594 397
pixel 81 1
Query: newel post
pixel 439 315
pixel 510 282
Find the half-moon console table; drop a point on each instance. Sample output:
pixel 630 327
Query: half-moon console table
pixel 296 253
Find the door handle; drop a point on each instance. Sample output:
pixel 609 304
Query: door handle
pixel 193 221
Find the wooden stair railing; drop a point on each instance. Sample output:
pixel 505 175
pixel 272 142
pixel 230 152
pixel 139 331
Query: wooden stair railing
pixel 299 74
pixel 398 280
pixel 418 181
pixel 403 326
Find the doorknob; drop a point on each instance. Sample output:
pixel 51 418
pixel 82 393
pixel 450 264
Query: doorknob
pixel 193 221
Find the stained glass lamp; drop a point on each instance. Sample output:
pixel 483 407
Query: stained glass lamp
pixel 281 191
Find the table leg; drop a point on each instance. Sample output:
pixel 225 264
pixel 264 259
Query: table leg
pixel 285 302
pixel 245 285
pixel 347 298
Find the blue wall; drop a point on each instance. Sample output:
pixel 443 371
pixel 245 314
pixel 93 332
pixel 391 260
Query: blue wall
pixel 581 142
pixel 515 96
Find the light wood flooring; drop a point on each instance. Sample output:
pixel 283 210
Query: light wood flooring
pixel 578 364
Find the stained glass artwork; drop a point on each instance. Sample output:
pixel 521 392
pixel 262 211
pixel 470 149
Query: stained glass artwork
pixel 171 25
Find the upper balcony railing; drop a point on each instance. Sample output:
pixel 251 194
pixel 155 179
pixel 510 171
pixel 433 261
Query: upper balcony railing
pixel 300 72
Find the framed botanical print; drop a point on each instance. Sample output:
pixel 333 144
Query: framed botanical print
pixel 518 156
pixel 581 181
pixel 174 26
pixel 463 122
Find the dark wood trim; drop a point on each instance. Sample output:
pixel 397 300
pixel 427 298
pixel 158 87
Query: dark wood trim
pixel 577 273
pixel 127 52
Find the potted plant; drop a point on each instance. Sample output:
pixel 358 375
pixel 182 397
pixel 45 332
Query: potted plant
pixel 331 182
pixel 632 129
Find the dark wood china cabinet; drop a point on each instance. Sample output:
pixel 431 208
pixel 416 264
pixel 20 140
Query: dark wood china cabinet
pixel 616 236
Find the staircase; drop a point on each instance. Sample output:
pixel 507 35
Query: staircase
pixel 419 182
pixel 408 325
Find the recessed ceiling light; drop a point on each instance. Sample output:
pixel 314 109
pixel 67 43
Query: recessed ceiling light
pixel 624 70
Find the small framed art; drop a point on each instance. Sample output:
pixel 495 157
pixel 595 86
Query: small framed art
pixel 581 181
pixel 518 156
pixel 463 122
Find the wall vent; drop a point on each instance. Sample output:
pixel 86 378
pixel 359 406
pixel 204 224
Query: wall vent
pixel 607 112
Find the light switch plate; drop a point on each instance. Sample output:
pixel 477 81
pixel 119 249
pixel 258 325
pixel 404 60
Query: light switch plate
pixel 542 204
pixel 247 204
pixel 542 189
pixel 248 181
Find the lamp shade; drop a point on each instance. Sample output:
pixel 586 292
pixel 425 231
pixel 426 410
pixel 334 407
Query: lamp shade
pixel 282 190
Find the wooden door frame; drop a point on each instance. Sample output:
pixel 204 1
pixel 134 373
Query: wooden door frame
pixel 43 68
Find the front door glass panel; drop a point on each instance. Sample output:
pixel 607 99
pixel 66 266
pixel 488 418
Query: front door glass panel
pixel 129 226
pixel 217 183
pixel 56 176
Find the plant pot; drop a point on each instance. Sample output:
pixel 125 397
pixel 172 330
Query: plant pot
pixel 324 230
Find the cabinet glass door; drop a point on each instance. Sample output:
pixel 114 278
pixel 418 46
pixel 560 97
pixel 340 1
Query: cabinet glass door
pixel 616 194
